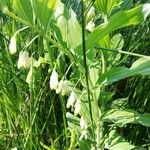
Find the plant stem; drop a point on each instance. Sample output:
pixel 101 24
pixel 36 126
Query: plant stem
pixel 86 68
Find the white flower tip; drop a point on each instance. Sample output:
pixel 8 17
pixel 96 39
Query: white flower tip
pixel 77 107
pixel 71 100
pixel 90 26
pixel 54 80
pixel 12 45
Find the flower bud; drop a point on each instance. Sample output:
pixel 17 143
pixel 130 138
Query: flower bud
pixel 24 60
pixel 54 80
pixel 12 45
pixel 71 100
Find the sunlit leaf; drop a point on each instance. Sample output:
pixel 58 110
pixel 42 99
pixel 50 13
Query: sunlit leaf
pixel 68 25
pixel 114 141
pixel 43 10
pixel 125 116
pixel 141 66
pixel 24 9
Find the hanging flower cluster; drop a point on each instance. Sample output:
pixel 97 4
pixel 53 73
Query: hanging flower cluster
pixel 74 101
pixel 64 88
pixel 25 61
pixel 61 86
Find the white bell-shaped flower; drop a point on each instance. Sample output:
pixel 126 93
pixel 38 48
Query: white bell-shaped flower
pixel 12 45
pixel 63 87
pixel 54 80
pixel 71 100
pixel 24 60
pixel 77 107
pixel 83 123
pixel 91 13
pixel 59 87
pixel 90 26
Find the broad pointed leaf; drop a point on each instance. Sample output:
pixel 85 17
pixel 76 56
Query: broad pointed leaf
pixel 125 116
pixel 141 66
pixel 68 25
pixel 43 10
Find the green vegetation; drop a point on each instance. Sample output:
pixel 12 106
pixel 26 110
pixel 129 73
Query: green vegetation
pixel 74 74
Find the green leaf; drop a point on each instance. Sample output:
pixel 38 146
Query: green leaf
pixel 24 9
pixel 114 141
pixel 68 25
pixel 118 20
pixel 73 121
pixel 43 10
pixel 117 42
pixel 141 66
pixel 125 116
pixel 122 146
